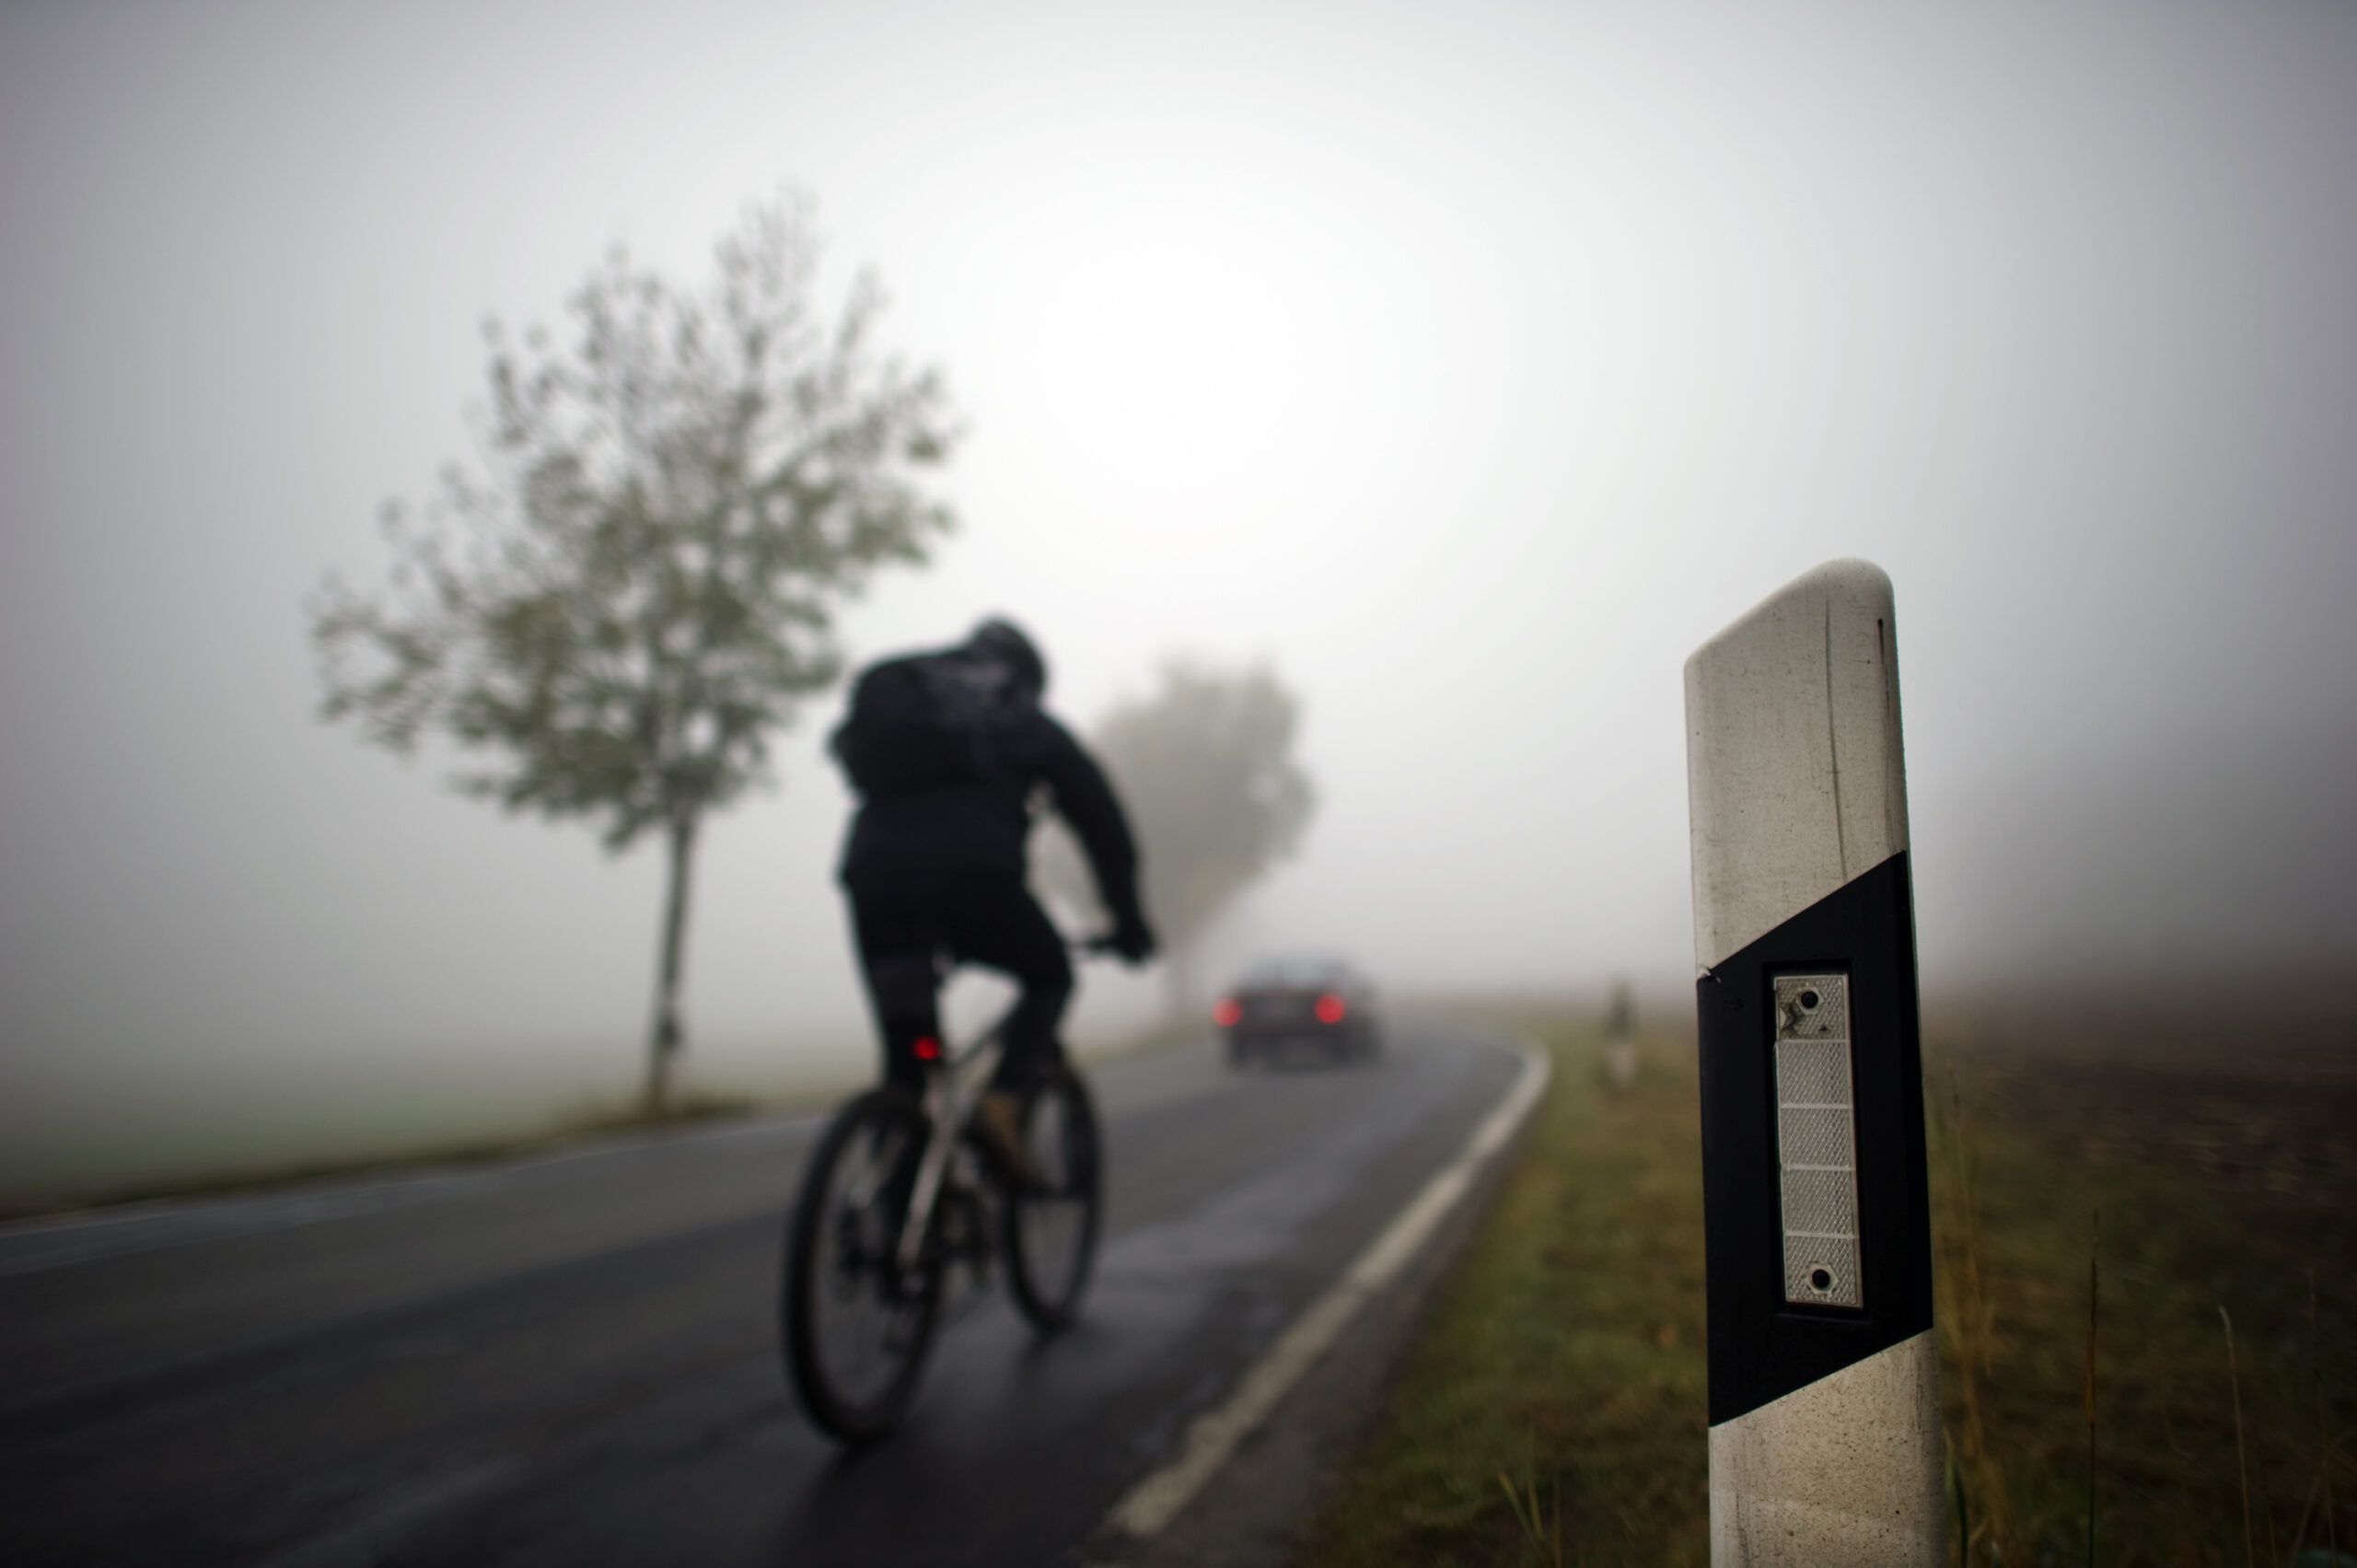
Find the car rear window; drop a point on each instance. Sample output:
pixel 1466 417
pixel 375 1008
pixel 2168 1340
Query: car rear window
pixel 1295 972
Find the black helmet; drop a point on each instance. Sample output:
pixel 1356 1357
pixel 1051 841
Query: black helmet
pixel 1002 641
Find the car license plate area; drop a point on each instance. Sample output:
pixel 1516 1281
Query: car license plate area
pixel 1283 1010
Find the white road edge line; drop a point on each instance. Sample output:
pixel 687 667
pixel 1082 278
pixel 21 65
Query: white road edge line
pixel 1212 1437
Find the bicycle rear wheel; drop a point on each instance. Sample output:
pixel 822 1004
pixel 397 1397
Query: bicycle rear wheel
pixel 1051 1230
pixel 857 1325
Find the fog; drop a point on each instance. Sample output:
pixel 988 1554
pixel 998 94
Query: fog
pixel 1465 366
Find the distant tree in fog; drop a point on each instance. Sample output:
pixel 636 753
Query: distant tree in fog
pixel 1205 767
pixel 636 587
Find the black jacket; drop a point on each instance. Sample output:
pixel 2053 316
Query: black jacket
pixel 978 827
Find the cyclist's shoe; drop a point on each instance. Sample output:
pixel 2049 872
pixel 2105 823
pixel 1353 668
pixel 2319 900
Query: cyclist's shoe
pixel 1000 1117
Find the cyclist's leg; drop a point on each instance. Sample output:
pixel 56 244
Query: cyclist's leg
pixel 899 957
pixel 1001 926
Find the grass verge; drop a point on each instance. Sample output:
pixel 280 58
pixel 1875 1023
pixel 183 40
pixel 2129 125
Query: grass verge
pixel 1555 1412
pixel 576 1126
pixel 591 1121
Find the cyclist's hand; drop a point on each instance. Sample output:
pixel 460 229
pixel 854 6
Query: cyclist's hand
pixel 1132 938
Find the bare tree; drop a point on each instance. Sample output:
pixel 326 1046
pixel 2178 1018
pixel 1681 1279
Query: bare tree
pixel 1205 768
pixel 635 588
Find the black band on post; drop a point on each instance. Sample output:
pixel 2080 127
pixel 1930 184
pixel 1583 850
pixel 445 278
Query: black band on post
pixel 1762 1344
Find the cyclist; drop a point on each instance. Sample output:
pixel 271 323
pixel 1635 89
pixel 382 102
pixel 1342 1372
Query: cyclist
pixel 950 753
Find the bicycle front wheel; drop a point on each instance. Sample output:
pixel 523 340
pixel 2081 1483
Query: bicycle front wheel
pixel 857 1325
pixel 1052 1229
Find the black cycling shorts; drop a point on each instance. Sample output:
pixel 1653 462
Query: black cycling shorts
pixel 912 932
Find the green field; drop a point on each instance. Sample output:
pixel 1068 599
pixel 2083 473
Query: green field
pixel 1555 1410
pixel 228 1144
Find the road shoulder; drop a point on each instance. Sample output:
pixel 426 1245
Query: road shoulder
pixel 1254 1511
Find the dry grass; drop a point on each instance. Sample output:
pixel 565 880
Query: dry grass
pixel 1555 1410
pixel 2225 1175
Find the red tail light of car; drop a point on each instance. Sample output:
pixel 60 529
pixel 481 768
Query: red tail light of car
pixel 1330 1009
pixel 1227 1012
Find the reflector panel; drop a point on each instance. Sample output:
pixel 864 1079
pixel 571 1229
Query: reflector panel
pixel 1816 1142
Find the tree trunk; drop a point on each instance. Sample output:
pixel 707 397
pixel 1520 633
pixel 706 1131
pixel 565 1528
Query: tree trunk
pixel 669 1037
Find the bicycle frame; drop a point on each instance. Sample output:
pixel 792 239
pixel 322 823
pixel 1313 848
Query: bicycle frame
pixel 951 1092
pixel 951 1089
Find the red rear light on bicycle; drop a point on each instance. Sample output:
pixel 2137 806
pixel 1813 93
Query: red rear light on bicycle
pixel 1330 1009
pixel 1227 1012
pixel 928 1049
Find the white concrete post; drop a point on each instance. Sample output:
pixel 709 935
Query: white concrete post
pixel 1826 1448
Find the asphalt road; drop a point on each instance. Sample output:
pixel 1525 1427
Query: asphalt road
pixel 572 1360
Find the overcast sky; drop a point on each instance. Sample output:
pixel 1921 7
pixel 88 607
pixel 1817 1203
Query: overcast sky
pixel 1468 365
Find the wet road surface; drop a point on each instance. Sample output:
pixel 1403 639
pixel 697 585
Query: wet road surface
pixel 572 1360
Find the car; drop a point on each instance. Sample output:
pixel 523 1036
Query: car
pixel 1284 1006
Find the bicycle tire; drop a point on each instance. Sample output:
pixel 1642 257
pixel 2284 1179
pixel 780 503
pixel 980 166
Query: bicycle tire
pixel 857 1328
pixel 1051 1233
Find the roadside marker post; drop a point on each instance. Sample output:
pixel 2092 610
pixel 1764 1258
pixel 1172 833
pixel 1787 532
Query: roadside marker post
pixel 1620 1054
pixel 1825 1445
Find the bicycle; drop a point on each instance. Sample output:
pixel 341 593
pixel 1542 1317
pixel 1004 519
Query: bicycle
pixel 898 1195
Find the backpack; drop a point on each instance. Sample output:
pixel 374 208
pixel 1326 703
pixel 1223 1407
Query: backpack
pixel 924 722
